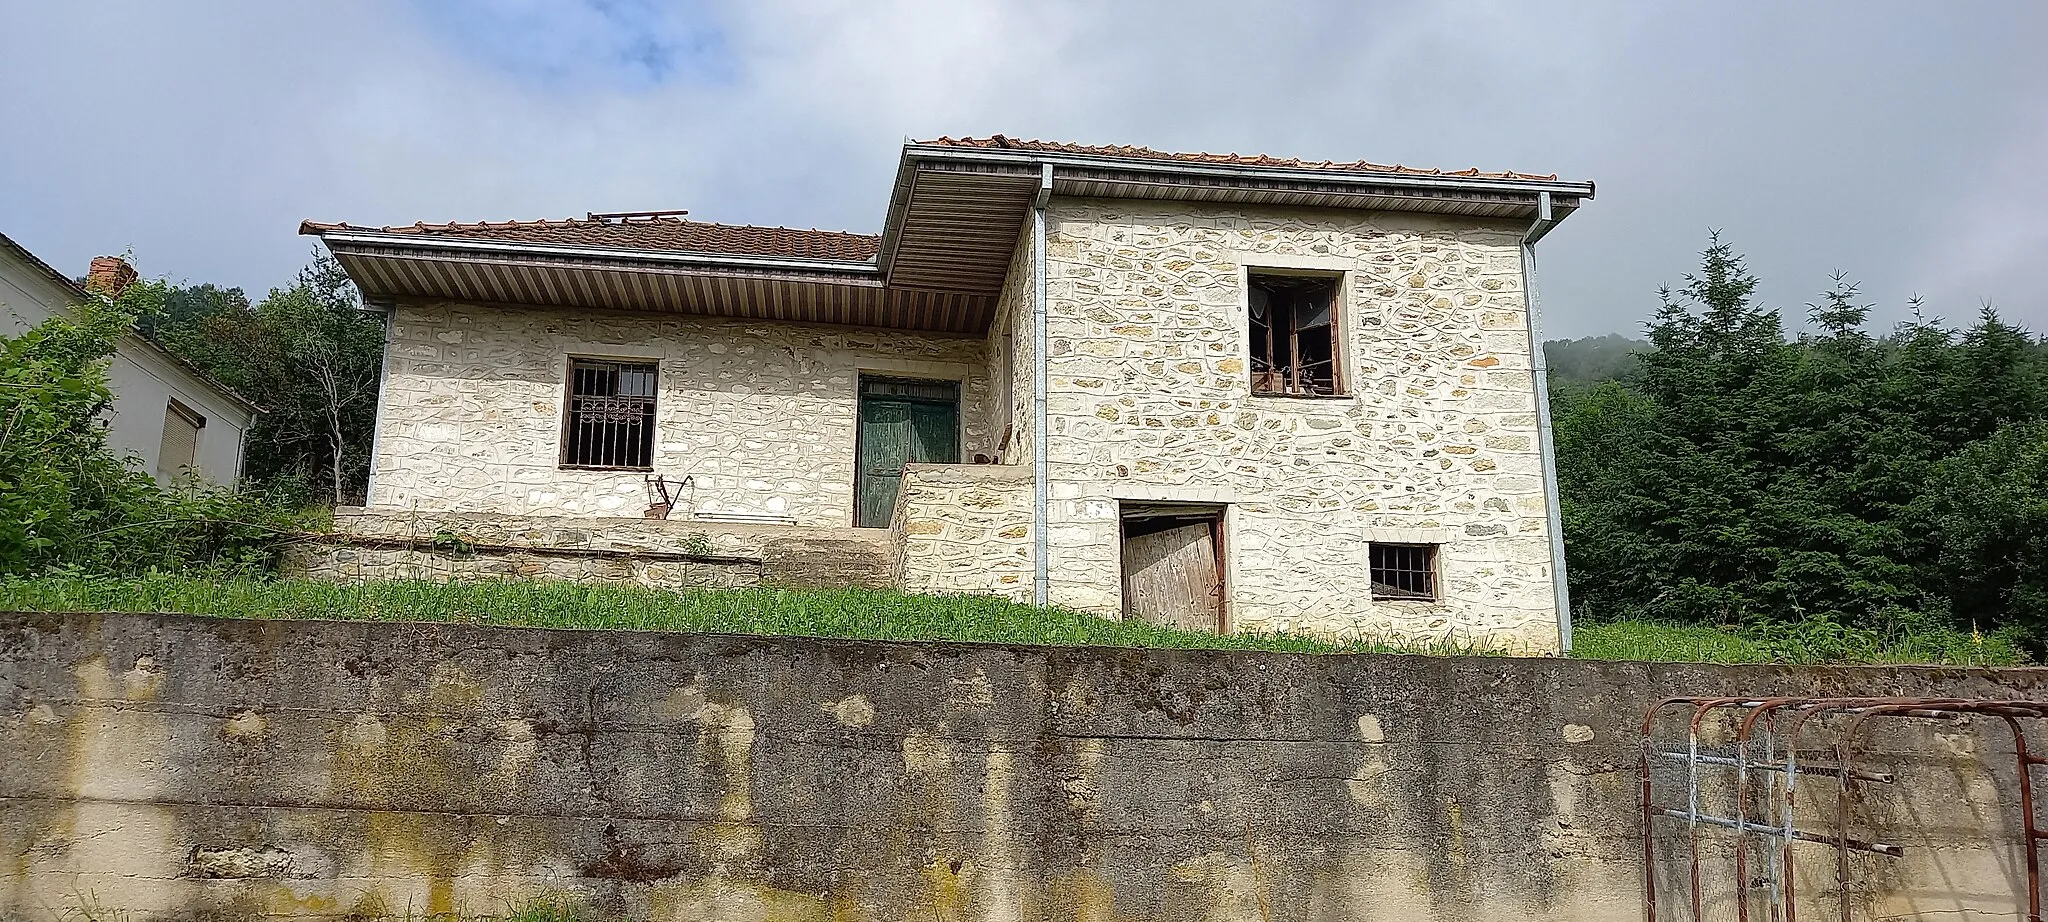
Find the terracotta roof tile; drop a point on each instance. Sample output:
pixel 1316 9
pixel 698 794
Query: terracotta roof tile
pixel 999 142
pixel 656 233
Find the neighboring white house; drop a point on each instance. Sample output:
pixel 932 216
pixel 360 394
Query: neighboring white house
pixel 1223 392
pixel 168 417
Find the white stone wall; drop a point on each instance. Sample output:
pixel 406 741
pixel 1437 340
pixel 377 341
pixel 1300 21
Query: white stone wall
pixel 761 415
pixel 1009 350
pixel 965 528
pixel 1436 441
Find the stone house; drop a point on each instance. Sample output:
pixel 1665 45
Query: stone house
pixel 1236 393
pixel 168 418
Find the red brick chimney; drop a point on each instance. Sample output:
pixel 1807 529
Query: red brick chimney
pixel 109 275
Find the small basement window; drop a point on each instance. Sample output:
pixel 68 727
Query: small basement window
pixel 611 415
pixel 1403 571
pixel 1293 335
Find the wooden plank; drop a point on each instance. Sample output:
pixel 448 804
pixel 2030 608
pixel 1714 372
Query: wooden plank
pixel 1170 577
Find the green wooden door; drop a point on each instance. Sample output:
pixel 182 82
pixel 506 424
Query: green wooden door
pixel 900 422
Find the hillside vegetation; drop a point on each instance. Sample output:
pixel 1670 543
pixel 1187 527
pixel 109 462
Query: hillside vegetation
pixel 1874 487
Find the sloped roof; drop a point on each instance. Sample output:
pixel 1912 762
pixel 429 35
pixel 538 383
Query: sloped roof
pixel 657 234
pixel 78 292
pixel 1001 142
pixel 955 212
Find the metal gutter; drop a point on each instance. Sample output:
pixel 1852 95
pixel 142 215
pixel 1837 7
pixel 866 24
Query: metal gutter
pixel 411 241
pixel 1538 370
pixel 1041 545
pixel 1222 170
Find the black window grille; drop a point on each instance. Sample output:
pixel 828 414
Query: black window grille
pixel 1403 571
pixel 1293 336
pixel 611 415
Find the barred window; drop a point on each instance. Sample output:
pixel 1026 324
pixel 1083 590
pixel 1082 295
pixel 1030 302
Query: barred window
pixel 611 415
pixel 1403 571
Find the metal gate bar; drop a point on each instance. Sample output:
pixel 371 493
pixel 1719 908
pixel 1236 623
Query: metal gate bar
pixel 1781 777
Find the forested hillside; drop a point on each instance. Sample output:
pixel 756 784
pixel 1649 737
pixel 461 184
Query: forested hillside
pixel 1842 480
pixel 1593 359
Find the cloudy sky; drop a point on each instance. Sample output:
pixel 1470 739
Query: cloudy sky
pixel 1904 143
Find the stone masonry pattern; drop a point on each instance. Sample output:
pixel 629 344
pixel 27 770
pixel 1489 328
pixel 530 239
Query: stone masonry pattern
pixel 1435 441
pixel 759 415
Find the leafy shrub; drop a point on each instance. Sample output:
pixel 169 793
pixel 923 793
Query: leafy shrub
pixel 66 501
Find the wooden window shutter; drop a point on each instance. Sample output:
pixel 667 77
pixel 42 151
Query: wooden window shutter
pixel 180 445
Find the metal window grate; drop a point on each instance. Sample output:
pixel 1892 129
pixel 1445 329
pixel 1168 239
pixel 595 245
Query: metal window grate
pixel 611 415
pixel 1403 571
pixel 1293 336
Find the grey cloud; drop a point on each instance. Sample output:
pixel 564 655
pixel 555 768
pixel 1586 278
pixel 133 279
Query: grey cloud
pixel 1897 142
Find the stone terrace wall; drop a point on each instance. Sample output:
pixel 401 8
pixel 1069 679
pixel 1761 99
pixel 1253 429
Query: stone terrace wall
pixel 676 553
pixel 169 767
pixel 965 528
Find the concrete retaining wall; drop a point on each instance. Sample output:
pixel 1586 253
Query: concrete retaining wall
pixel 181 767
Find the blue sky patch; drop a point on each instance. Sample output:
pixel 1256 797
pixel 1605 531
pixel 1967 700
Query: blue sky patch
pixel 624 44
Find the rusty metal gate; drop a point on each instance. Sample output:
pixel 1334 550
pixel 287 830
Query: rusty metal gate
pixel 1738 774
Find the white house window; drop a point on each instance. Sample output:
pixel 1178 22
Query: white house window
pixel 611 415
pixel 1293 323
pixel 1403 571
pixel 180 445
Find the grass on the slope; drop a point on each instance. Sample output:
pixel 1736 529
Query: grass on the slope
pixel 851 613
pixel 885 615
pixel 1799 645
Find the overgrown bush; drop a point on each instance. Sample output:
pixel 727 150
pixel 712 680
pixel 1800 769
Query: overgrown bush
pixel 66 501
pixel 314 355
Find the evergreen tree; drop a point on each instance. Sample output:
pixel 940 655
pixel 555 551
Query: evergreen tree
pixel 1742 478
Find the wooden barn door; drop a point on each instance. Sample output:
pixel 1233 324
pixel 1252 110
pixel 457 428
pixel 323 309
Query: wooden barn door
pixel 1173 568
pixel 900 422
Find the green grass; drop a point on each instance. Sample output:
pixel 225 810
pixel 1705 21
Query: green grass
pixel 1791 644
pixel 884 615
pixel 853 613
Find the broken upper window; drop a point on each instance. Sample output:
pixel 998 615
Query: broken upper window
pixel 611 415
pixel 1403 571
pixel 1293 335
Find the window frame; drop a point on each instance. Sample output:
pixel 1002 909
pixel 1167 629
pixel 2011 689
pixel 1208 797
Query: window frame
pixel 569 424
pixel 173 407
pixel 1432 570
pixel 1335 286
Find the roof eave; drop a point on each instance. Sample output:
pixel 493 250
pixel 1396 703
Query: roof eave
pixel 899 209
pixel 917 152
pixel 447 244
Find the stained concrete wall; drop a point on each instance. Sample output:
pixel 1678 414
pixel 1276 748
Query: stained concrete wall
pixel 180 767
